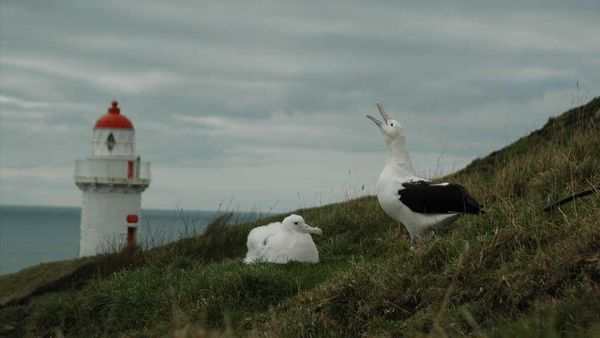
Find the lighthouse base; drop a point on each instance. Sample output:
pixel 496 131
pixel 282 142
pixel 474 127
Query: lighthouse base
pixel 104 219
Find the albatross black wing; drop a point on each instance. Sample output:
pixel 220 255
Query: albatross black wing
pixel 429 198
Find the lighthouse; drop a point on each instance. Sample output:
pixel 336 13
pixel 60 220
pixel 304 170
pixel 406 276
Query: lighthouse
pixel 112 180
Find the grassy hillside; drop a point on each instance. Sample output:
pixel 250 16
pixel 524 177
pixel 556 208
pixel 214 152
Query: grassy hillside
pixel 515 271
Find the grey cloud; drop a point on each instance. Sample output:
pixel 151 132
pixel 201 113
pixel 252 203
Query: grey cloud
pixel 254 90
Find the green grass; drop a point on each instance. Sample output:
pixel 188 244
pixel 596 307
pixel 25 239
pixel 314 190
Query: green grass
pixel 514 271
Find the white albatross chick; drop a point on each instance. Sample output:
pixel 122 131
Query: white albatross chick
pixel 282 242
pixel 420 205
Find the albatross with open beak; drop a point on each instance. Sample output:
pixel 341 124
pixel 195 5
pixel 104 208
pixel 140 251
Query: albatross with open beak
pixel 419 204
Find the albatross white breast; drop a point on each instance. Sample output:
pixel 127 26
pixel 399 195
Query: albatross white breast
pixel 419 204
pixel 282 242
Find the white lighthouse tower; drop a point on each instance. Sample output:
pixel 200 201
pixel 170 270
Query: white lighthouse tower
pixel 112 181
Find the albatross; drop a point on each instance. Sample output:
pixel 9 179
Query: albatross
pixel 282 242
pixel 419 204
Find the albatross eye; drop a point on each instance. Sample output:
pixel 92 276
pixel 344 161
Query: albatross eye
pixel 296 223
pixel 392 124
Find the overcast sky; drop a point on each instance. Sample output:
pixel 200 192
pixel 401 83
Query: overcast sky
pixel 262 104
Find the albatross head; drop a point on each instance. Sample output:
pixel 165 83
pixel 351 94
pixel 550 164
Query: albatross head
pixel 295 222
pixel 390 128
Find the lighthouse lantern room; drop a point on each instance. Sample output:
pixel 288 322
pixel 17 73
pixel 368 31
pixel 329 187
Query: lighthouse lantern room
pixel 112 180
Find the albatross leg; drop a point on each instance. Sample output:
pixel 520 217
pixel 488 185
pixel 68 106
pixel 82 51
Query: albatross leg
pixel 413 243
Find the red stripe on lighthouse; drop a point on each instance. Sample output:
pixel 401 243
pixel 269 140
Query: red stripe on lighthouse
pixel 131 236
pixel 130 169
pixel 132 219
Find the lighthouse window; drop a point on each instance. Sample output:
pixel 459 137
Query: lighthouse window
pixel 110 141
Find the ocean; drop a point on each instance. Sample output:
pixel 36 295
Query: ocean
pixel 30 235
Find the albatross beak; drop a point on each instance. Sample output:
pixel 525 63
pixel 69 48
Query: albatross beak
pixel 377 122
pixel 385 116
pixel 313 230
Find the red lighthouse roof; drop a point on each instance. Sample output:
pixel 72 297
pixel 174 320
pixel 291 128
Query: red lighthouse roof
pixel 114 119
